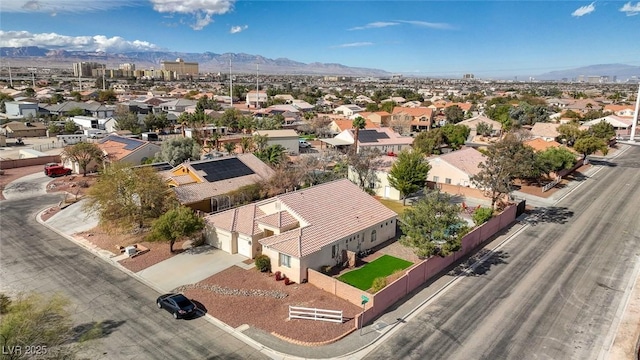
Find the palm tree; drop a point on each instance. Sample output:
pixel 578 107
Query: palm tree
pixel 214 137
pixel 273 155
pixel 260 141
pixel 246 143
pixel 230 147
pixel 358 124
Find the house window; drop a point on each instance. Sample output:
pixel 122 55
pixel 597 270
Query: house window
pixel 435 179
pixel 372 185
pixel 447 181
pixel 285 260
pixel 333 251
pixel 373 236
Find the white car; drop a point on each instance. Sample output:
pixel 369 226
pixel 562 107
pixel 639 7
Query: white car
pixel 304 144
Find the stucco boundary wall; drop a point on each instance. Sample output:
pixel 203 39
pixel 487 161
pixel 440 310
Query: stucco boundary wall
pixel 18 163
pixel 415 276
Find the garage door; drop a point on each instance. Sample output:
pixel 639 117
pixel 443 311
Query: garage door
pixel 244 247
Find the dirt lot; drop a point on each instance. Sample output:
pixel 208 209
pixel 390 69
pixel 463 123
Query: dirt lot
pixel 271 314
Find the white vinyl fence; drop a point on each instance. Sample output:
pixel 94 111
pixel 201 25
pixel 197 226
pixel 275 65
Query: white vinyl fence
pixel 296 312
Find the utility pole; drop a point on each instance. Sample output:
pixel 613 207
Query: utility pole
pixel 257 87
pixel 635 117
pixel 230 84
pixel 103 78
pixel 10 78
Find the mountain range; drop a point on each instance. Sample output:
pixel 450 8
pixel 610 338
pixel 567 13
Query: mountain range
pixel 208 62
pixel 33 56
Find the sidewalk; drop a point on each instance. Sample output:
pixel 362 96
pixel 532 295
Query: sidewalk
pixel 361 342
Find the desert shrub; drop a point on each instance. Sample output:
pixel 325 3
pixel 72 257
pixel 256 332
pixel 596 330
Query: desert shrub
pixel 378 284
pixel 263 263
pixel 287 281
pixel 482 215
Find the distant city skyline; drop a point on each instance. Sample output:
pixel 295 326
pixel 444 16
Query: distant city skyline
pixel 428 38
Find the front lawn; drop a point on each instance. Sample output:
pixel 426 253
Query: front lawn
pixel 381 267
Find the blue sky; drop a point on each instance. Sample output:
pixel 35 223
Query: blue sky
pixel 430 38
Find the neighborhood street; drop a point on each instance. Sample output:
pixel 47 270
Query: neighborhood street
pixel 556 291
pixel 33 258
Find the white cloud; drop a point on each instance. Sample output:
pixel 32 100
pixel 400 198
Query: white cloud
pixel 355 44
pixel 425 24
pixel 631 9
pixel 85 43
pixel 375 25
pixel 60 6
pixel 202 10
pixel 237 29
pixel 584 10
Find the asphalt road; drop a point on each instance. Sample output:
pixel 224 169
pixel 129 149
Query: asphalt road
pixel 32 258
pixel 553 292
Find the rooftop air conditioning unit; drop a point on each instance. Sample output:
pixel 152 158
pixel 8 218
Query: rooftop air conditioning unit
pixel 130 250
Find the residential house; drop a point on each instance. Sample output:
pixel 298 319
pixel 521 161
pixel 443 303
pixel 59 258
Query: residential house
pixel 348 110
pixel 419 119
pixel 621 125
pixel 380 118
pixel 19 129
pixel 395 99
pixel 89 122
pixel 384 139
pixel 287 98
pixel 412 104
pixel 178 105
pixel 377 179
pixel 472 124
pixel 288 139
pixel 259 97
pixel 545 131
pixel 620 110
pixel 304 229
pixel 302 105
pixel 456 167
pixel 203 185
pixel 540 144
pixel 21 109
pixel 339 125
pixel 363 100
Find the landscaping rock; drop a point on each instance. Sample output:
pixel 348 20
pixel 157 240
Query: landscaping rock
pixel 188 245
pixel 234 292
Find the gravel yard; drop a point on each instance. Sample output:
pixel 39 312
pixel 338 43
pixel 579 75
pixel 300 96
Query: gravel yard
pixel 268 312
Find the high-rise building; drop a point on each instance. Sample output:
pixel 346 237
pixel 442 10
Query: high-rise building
pixel 180 67
pixel 127 66
pixel 85 68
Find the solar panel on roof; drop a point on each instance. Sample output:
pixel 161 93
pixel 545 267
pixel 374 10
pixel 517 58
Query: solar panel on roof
pixel 130 144
pixel 223 169
pixel 368 136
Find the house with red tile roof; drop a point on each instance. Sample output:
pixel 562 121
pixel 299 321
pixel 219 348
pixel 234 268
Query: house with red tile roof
pixel 304 229
pixel 546 131
pixel 539 144
pixel 620 110
pixel 419 118
pixel 381 118
pixel 456 167
pixel 203 185
pixel 339 125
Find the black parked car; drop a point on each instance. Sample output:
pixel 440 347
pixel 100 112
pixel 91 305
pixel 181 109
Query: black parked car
pixel 177 304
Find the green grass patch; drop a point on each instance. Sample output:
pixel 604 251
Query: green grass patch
pixel 394 205
pixel 381 267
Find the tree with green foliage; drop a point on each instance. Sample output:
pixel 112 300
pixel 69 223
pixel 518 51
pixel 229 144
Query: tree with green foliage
pixel 482 215
pixel 260 141
pixel 602 130
pixel 175 151
pixel 555 159
pixel 454 114
pixel 500 113
pixel 75 112
pixel 108 96
pixel 588 145
pixel 455 135
pixel 429 142
pixel 230 147
pixel 76 95
pixel 128 198
pixel 230 118
pixel 484 129
pixel 408 174
pixel 56 98
pixel 70 127
pixel 505 161
pixel 3 99
pixel 569 133
pixel 246 143
pixel 83 154
pixel 432 226
pixel 371 107
pixel 388 106
pixel 175 224
pixel 126 120
pixel 34 321
pixel 54 129
pixel 273 155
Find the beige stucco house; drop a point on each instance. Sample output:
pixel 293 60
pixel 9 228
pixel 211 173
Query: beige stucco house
pixel 456 167
pixel 377 178
pixel 304 229
pixel 287 138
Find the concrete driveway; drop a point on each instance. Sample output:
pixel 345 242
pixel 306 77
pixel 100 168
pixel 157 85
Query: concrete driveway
pixel 190 267
pixel 27 186
pixel 73 219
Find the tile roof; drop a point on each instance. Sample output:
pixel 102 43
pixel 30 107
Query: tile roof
pixel 614 120
pixel 539 144
pixel 545 130
pixel 118 147
pixel 344 124
pixel 277 133
pixel 415 112
pixel 466 160
pixel 325 213
pixel 473 122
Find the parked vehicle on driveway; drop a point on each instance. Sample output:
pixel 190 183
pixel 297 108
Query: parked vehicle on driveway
pixel 303 143
pixel 56 170
pixel 177 304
